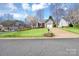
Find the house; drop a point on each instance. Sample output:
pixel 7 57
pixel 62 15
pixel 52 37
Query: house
pixel 36 23
pixel 2 28
pixel 41 24
pixel 12 25
pixel 63 23
pixel 50 22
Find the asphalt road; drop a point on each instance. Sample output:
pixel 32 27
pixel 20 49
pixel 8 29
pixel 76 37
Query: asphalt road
pixel 54 47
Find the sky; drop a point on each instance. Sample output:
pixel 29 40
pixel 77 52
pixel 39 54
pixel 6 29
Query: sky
pixel 20 11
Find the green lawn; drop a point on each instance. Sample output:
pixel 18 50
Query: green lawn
pixel 72 29
pixel 28 33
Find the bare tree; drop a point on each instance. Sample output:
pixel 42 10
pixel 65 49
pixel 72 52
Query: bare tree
pixel 32 20
pixel 73 16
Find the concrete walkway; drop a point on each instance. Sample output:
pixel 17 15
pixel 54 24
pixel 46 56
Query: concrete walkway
pixel 60 33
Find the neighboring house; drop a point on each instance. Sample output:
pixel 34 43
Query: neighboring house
pixel 13 28
pixel 41 24
pixel 2 28
pixel 63 23
pixel 13 25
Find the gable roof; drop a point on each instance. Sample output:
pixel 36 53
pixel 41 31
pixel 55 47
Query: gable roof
pixel 64 19
pixel 50 18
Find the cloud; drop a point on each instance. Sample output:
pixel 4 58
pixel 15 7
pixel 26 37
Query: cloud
pixel 65 8
pixel 1 14
pixel 11 7
pixel 26 6
pixel 7 7
pixel 36 7
pixel 18 15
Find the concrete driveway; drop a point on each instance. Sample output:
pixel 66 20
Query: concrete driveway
pixel 54 47
pixel 60 33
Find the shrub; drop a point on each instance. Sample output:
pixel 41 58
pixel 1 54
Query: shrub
pixel 54 25
pixel 70 25
pixel 23 29
pixel 9 36
pixel 48 34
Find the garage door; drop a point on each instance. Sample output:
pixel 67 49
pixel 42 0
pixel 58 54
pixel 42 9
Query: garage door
pixel 49 26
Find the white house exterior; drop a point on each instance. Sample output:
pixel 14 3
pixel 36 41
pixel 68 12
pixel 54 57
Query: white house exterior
pixel 49 24
pixel 62 23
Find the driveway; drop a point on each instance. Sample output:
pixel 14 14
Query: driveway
pixel 54 47
pixel 60 33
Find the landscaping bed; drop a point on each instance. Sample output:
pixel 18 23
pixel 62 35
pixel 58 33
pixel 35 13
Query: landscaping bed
pixel 48 34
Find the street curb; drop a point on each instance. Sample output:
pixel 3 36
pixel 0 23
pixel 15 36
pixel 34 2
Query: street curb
pixel 42 38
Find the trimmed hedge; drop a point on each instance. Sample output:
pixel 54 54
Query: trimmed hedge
pixel 23 29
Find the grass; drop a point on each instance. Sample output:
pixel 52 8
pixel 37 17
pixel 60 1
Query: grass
pixel 72 29
pixel 27 33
